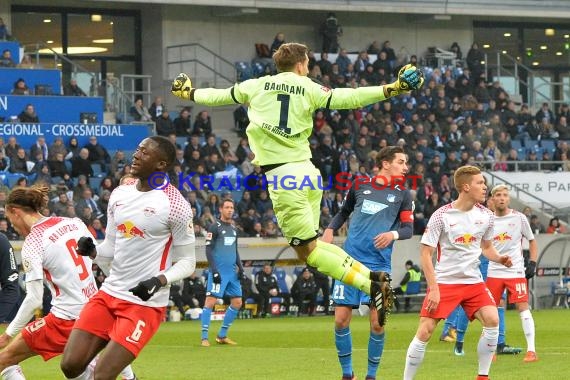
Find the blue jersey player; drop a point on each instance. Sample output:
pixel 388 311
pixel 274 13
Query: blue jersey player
pixel 382 212
pixel 224 274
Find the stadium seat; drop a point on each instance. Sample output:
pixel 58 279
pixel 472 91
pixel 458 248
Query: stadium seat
pixel 548 145
pixel 243 71
pixel 182 141
pixel 97 170
pixel 95 184
pixel 516 144
pixel 13 178
pixel 257 68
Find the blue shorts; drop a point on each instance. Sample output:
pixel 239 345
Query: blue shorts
pixel 346 295
pixel 230 286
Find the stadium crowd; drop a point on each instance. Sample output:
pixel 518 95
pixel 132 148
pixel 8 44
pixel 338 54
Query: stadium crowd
pixel 457 118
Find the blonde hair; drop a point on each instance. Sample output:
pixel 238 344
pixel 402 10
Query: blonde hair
pixel 498 188
pixel 463 175
pixel 288 55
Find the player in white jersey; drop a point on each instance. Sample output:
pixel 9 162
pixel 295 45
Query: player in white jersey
pixel 48 254
pixel 149 227
pixel 511 227
pixel 460 231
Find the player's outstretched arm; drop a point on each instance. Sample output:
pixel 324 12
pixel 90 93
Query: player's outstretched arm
pixel 182 88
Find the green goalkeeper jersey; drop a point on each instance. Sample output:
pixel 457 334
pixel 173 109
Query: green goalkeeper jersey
pixel 281 111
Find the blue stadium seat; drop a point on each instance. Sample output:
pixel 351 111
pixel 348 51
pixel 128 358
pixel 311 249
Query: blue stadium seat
pixel 95 184
pixel 13 178
pixel 516 144
pixel 548 145
pixel 97 170
pixel 56 180
pixel 182 141
pixel 243 71
pixel 257 68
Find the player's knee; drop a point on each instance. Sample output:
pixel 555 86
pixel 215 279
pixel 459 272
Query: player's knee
pixel 6 360
pixel 70 369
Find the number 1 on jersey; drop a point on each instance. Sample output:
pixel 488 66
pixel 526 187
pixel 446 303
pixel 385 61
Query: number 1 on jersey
pixel 284 112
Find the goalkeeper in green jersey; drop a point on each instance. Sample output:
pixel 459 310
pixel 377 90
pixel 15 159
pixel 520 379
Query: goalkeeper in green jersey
pixel 280 111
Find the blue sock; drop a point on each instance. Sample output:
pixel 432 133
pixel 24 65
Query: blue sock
pixel 375 348
pixel 502 328
pixel 450 321
pixel 206 316
pixel 462 324
pixel 230 316
pixel 343 342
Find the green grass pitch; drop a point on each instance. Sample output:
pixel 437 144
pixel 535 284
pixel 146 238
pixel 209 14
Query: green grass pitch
pixel 303 348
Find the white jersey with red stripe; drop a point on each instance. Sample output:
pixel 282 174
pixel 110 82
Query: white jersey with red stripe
pixel 142 227
pixel 457 235
pixel 508 239
pixel 49 252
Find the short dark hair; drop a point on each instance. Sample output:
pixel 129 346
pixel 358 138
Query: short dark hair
pixel 388 153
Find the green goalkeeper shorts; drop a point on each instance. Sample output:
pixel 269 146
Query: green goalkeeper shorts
pixel 296 192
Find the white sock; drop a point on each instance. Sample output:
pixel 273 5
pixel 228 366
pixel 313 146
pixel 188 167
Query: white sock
pixel 127 372
pixel 414 358
pixel 14 372
pixel 486 348
pixel 528 328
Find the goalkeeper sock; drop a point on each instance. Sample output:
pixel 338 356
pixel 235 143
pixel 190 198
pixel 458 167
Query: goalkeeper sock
pixel 14 372
pixel 375 349
pixel 230 316
pixel 206 316
pixel 343 342
pixel 335 262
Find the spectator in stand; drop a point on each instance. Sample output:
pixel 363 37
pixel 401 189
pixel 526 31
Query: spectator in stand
pixel 4 33
pixel 97 153
pixel 554 227
pixel 267 287
pixel 4 164
pixel 305 289
pixel 193 291
pixel 81 165
pixel 19 164
pixel 87 201
pixel 21 88
pixel 40 147
pixel 228 155
pixel 28 115
pixel 164 125
pixel 457 50
pixel 139 112
pixel 182 123
pixel 59 206
pixel 57 166
pixel 202 124
pixel 97 230
pixel 118 162
pixel 277 42
pixel 210 147
pixel 72 89
pixel 22 182
pixel 474 59
pixel 324 64
pixel 73 148
pixel 545 113
pixel 6 61
pixel 536 226
pixel 330 31
pixel 57 147
pixel 390 54
pixel 156 109
pixel 43 176
pixel 7 230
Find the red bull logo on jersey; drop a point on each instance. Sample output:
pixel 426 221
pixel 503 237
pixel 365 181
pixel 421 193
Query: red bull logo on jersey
pixel 502 237
pixel 129 230
pixel 465 239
